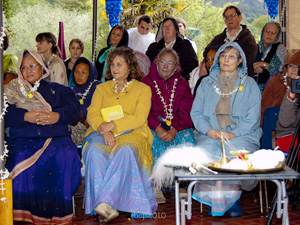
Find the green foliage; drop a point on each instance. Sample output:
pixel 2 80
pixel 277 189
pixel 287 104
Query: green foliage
pixel 207 19
pixel 204 20
pixel 26 25
pixel 157 9
pixel 7 9
pixel 257 25
pixel 251 9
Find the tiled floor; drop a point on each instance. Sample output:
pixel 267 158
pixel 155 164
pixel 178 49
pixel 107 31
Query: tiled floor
pixel 166 213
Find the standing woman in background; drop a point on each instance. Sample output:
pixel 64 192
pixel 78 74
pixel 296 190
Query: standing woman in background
pixel 117 37
pixel 47 47
pixel 76 48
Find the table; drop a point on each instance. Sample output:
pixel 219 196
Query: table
pixel 277 177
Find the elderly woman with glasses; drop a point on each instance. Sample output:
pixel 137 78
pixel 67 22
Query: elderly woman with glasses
pixel 271 53
pixel 43 160
pixel 168 36
pixel 169 119
pixel 227 105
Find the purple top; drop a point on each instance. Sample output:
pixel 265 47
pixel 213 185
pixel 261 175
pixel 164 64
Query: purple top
pixel 182 102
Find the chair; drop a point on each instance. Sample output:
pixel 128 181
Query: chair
pixel 269 125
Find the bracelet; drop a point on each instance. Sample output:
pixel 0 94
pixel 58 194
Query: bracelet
pixel 264 65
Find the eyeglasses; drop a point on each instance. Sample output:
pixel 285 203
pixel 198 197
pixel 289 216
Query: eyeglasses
pixel 31 67
pixel 168 26
pixel 230 16
pixel 164 63
pixel 230 57
pixel 273 32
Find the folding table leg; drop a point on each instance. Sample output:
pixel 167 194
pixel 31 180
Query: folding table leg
pixel 177 209
pixel 260 198
pixel 182 200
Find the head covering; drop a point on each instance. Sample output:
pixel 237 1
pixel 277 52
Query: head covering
pixel 293 58
pixel 261 41
pixel 144 62
pixel 92 73
pixel 159 34
pixel 88 88
pixel 242 69
pixel 16 88
pixel 10 63
pixel 123 42
pixel 124 39
pixel 38 58
pixel 154 74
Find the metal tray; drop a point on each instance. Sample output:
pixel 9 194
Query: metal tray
pixel 280 167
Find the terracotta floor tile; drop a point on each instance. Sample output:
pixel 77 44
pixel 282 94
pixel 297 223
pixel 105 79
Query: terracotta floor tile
pixel 166 213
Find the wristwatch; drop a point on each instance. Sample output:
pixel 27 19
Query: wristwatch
pixel 264 65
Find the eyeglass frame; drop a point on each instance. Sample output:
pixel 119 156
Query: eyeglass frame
pixel 164 63
pixel 230 16
pixel 31 67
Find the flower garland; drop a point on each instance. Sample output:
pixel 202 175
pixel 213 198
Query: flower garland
pixel 83 96
pixel 285 81
pixel 125 86
pixel 29 93
pixel 2 31
pixel 168 111
pixel 240 88
pixel 4 174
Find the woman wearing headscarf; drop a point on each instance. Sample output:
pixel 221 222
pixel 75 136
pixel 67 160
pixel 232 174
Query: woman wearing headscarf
pixel 169 118
pixel 84 75
pixel 168 36
pixel 271 53
pixel 117 37
pixel 280 84
pixel 42 159
pixel 227 104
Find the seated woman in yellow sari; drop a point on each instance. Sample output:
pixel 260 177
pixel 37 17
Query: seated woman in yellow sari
pixel 117 153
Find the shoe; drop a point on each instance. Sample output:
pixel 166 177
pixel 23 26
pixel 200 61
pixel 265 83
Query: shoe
pixel 106 211
pixel 159 196
pixel 236 209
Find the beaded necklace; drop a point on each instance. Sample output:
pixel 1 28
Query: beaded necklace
pixel 168 111
pixel 125 86
pixel 83 96
pixel 29 93
pixel 240 88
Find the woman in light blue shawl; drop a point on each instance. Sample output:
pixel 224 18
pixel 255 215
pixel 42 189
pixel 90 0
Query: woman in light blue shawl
pixel 227 103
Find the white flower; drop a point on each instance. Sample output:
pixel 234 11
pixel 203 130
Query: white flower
pixel 167 111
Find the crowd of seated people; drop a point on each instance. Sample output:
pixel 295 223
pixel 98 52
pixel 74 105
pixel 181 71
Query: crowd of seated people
pixel 131 105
